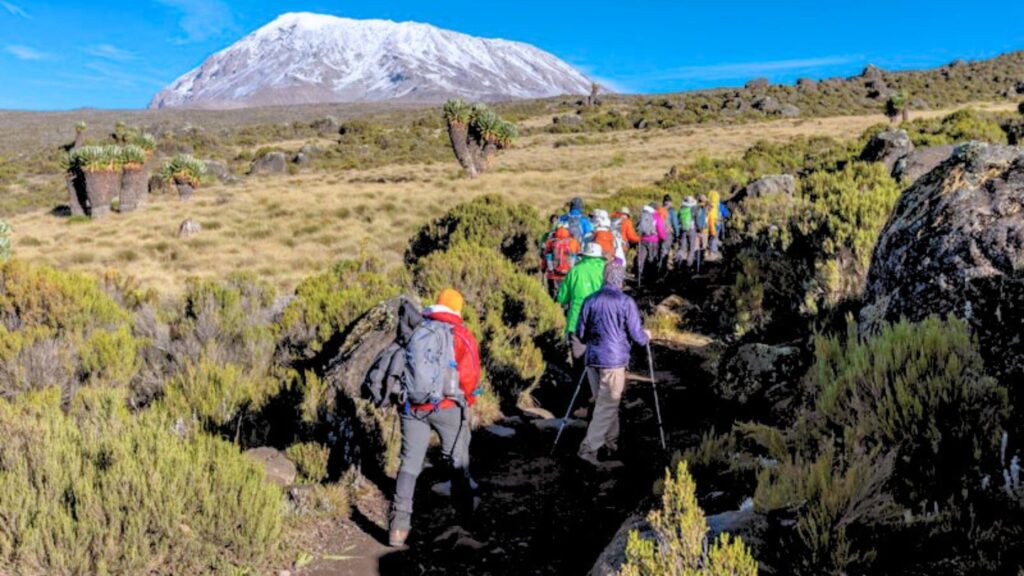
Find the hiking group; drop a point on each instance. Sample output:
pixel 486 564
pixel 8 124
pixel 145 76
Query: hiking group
pixel 662 238
pixel 432 370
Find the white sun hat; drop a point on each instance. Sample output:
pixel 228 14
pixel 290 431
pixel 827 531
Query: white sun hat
pixel 593 249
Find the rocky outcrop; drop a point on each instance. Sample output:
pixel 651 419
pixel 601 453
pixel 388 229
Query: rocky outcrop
pixel 955 245
pixel 920 162
pixel 270 163
pixel 888 147
pixel 614 555
pixel 789 111
pixel 767 104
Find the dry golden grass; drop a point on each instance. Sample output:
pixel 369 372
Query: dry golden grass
pixel 285 228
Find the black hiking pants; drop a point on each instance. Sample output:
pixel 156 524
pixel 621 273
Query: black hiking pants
pixel 452 427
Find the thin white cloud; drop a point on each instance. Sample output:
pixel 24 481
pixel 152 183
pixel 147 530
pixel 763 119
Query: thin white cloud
pixel 111 52
pixel 105 72
pixel 14 9
pixel 26 53
pixel 201 19
pixel 749 69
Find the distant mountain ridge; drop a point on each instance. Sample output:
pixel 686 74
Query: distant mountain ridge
pixel 305 58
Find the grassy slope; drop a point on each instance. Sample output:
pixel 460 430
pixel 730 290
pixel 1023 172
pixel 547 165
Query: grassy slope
pixel 287 227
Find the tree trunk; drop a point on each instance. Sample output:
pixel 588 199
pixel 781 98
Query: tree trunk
pixel 459 136
pixel 905 113
pixel 77 198
pixel 134 184
pixel 101 187
pixel 185 189
pixel 486 151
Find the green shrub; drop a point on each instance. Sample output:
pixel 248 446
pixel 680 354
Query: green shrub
pixel 899 419
pixel 851 207
pixel 310 460
pixel 512 315
pixel 960 126
pixel 216 395
pixel 99 491
pixel 489 221
pixel 62 329
pixel 680 545
pixel 325 304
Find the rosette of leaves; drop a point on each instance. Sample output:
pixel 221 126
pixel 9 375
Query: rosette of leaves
pixel 184 171
pixel 101 167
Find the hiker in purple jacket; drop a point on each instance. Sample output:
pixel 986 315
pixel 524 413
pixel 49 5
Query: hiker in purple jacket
pixel 609 324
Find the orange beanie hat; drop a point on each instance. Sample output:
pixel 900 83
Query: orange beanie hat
pixel 451 299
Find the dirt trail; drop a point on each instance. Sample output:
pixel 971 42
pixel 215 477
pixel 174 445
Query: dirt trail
pixel 538 514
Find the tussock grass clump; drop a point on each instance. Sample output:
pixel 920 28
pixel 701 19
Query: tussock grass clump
pixel 680 546
pixel 100 491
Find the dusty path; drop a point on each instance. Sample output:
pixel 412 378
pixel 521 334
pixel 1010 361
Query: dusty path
pixel 538 514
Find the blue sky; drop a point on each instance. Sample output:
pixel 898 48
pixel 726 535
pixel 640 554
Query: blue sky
pixel 58 54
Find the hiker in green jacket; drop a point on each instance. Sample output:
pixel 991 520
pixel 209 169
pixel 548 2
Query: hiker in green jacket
pixel 585 278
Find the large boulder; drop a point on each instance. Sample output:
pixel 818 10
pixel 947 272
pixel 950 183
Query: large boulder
pixel 955 245
pixel 761 377
pixel 270 163
pixel 280 470
pixel 888 147
pixel 614 555
pixel 920 162
pixel 767 104
pixel 768 186
pixel 789 111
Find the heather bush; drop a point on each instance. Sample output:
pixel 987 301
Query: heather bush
pixel 489 221
pixel 679 546
pixel 326 304
pixel 900 423
pixel 799 256
pixel 100 491
pixel 513 317
pixel 960 126
pixel 61 329
pixel 310 460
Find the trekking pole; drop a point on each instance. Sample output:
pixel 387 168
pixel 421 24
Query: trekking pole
pixel 657 406
pixel 568 411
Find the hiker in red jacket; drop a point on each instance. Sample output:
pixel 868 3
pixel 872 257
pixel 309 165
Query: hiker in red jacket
pixel 443 410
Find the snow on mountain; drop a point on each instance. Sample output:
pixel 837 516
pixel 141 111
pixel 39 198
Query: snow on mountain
pixel 304 58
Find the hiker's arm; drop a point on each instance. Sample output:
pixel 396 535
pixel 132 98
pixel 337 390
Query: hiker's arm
pixel 563 292
pixel 467 356
pixel 634 325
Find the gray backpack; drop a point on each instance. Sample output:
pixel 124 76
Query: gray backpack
pixel 646 226
pixel 431 373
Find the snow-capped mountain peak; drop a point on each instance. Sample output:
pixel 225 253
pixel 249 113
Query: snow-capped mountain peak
pixel 305 58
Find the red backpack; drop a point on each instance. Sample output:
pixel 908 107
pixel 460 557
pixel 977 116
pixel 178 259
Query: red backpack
pixel 561 251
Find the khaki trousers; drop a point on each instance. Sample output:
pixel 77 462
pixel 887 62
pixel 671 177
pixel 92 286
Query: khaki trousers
pixel 607 384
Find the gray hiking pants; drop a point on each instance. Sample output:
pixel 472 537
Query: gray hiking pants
pixel 453 429
pixel 647 261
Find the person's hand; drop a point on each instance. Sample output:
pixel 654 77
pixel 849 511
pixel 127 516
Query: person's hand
pixel 648 332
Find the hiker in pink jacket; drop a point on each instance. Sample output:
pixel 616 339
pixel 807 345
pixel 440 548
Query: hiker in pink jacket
pixel 652 231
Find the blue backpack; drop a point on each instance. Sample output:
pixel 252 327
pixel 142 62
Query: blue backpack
pixel 431 373
pixel 700 217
